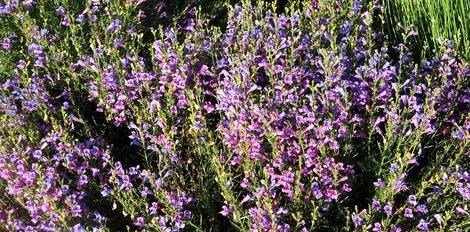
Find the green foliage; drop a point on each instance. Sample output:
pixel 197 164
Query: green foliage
pixel 435 21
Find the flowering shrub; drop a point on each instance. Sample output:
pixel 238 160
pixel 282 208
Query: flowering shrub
pixel 296 119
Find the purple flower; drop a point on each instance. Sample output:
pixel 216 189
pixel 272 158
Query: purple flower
pixel 245 199
pixel 395 229
pixel 98 218
pixel 412 200
pixel 179 224
pixel 66 106
pixel 388 210
pixel 408 213
pixel 66 21
pixel 225 211
pixel 394 167
pixel 61 10
pixel 346 27
pixel 118 42
pixel 114 26
pixel 78 228
pixel 27 4
pixel 83 180
pixel 30 106
pixel 188 25
pixel 376 205
pixel 463 190
pixel 379 183
pixel 6 43
pixel 356 6
pixel 400 185
pixel 21 64
pixel 331 194
pixel 98 51
pixel 461 210
pixel 377 227
pixel 37 154
pixel 421 209
pixel 282 211
pixel 146 192
pixel 139 222
pixel 187 214
pixel 246 183
pixel 423 225
pixel 162 221
pixel 357 220
pixel 412 33
pixel 438 218
pixel 154 208
pixel 76 210
pixel 80 18
pixel 105 192
pixel 458 134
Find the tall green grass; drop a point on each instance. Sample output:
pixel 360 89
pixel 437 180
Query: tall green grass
pixel 436 21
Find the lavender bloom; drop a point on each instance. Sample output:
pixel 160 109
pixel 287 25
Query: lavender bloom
pixel 225 211
pixel 78 228
pixel 408 213
pixel 412 200
pixel 80 18
pixel 66 21
pixel 376 205
pixel 27 4
pixel 153 209
pixel 118 43
pixel 139 222
pixel 357 220
pixel 245 183
pixel 438 218
pixel 400 185
pixel 61 10
pixel 114 26
pixel 179 224
pixel 379 183
pixel 388 210
pixel 423 225
pixel 461 210
pixel 421 209
pixel 377 227
pixel 6 43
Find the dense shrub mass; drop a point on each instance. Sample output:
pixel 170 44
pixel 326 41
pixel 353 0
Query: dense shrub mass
pixel 120 115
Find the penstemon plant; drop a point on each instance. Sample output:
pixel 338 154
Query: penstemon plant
pixel 126 115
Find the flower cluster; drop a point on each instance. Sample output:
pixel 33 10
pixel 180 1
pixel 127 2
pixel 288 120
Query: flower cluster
pixel 424 212
pixel 48 185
